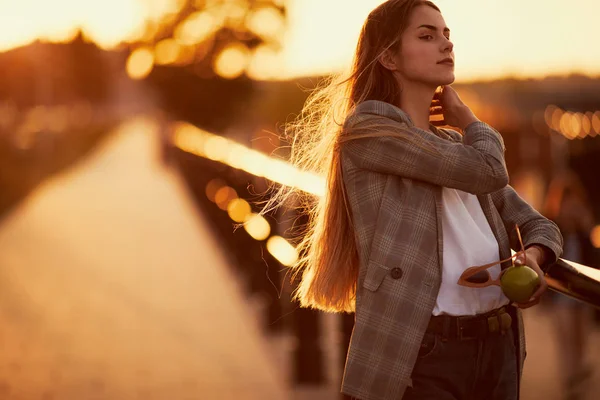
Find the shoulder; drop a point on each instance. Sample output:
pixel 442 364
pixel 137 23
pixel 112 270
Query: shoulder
pixel 374 110
pixel 451 134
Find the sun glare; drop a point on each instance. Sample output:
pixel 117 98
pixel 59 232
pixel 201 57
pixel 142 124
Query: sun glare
pixel 106 22
pixel 493 38
pixel 319 36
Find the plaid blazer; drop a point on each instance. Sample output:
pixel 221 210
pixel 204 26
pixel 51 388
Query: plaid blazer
pixel 393 186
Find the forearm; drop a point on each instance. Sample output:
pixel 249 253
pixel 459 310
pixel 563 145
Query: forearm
pixel 541 254
pixel 536 230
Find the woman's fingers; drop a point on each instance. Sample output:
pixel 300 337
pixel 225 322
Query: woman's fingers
pixel 439 122
pixel 436 111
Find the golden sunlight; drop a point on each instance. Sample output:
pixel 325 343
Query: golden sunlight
pixel 257 227
pixel 282 250
pixel 167 51
pixel 204 144
pixel 319 36
pixel 140 63
pixel 239 210
pixel 107 22
pixel 232 61
pixel 195 28
pixel 492 38
pixel 595 237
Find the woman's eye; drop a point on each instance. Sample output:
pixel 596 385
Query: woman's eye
pixel 428 37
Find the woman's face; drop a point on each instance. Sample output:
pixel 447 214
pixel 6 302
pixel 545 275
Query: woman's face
pixel 425 44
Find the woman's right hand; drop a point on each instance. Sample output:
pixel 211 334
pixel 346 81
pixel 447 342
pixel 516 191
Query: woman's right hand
pixel 456 113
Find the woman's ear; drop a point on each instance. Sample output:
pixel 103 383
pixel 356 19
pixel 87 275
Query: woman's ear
pixel 387 60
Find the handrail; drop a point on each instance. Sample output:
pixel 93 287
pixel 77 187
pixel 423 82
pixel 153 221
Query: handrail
pixel 575 280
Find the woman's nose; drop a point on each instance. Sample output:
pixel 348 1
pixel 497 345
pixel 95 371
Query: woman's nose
pixel 448 46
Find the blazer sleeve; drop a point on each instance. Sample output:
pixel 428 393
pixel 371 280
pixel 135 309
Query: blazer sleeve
pixel 535 228
pixel 476 165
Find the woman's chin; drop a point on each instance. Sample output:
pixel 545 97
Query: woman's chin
pixel 447 80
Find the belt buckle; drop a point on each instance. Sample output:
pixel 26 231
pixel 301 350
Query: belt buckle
pixel 460 330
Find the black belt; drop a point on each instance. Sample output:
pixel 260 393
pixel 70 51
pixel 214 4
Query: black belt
pixel 470 326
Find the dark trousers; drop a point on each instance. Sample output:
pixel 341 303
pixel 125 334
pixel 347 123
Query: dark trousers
pixel 474 369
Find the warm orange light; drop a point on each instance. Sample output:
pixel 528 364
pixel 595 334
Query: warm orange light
pixel 556 118
pixel 225 195
pixel 204 144
pixel 186 55
pixel 232 61
pixel 266 22
pixel 596 123
pixel 140 63
pixel 586 123
pixel 65 35
pixel 595 237
pixel 565 123
pixel 576 127
pixel 257 227
pixel 282 250
pixel 239 210
pixel 213 187
pixel 195 28
pixel 548 114
pixel 265 64
pixel 232 11
pixel 167 51
pixel 216 148
pixel 109 22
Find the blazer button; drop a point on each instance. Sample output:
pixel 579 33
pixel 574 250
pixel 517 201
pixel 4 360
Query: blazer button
pixel 396 273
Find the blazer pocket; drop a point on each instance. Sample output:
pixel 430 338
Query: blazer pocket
pixel 376 273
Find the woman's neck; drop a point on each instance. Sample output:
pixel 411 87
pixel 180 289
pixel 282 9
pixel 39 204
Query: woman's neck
pixel 415 100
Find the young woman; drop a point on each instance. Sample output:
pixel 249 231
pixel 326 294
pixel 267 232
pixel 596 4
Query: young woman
pixel 408 208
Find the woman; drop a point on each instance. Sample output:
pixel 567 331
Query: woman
pixel 407 208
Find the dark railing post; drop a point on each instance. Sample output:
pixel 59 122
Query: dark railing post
pixel 308 354
pixel 347 324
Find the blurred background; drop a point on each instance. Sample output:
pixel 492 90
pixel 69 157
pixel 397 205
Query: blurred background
pixel 135 134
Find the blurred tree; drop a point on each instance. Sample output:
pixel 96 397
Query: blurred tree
pixel 204 55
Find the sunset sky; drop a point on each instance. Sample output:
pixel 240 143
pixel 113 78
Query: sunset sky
pixel 492 38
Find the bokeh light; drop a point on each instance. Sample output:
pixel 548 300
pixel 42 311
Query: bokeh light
pixel 595 236
pixel 195 28
pixel 140 63
pixel 167 51
pixel 572 125
pixel 213 187
pixel 239 210
pixel 257 227
pixel 232 61
pixel 282 250
pixel 224 196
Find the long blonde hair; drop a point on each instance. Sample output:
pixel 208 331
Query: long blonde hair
pixel 328 251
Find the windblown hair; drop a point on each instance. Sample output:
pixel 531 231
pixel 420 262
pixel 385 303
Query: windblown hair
pixel 329 260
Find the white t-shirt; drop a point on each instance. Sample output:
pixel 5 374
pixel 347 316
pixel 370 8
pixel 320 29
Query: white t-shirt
pixel 468 241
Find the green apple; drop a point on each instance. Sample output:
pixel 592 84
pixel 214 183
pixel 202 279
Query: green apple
pixel 519 282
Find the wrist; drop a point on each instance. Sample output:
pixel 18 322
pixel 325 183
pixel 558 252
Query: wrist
pixel 467 119
pixel 537 253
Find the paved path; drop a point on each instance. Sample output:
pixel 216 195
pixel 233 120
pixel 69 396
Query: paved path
pixel 111 288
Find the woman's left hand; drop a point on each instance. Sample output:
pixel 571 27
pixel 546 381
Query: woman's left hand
pixel 534 257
